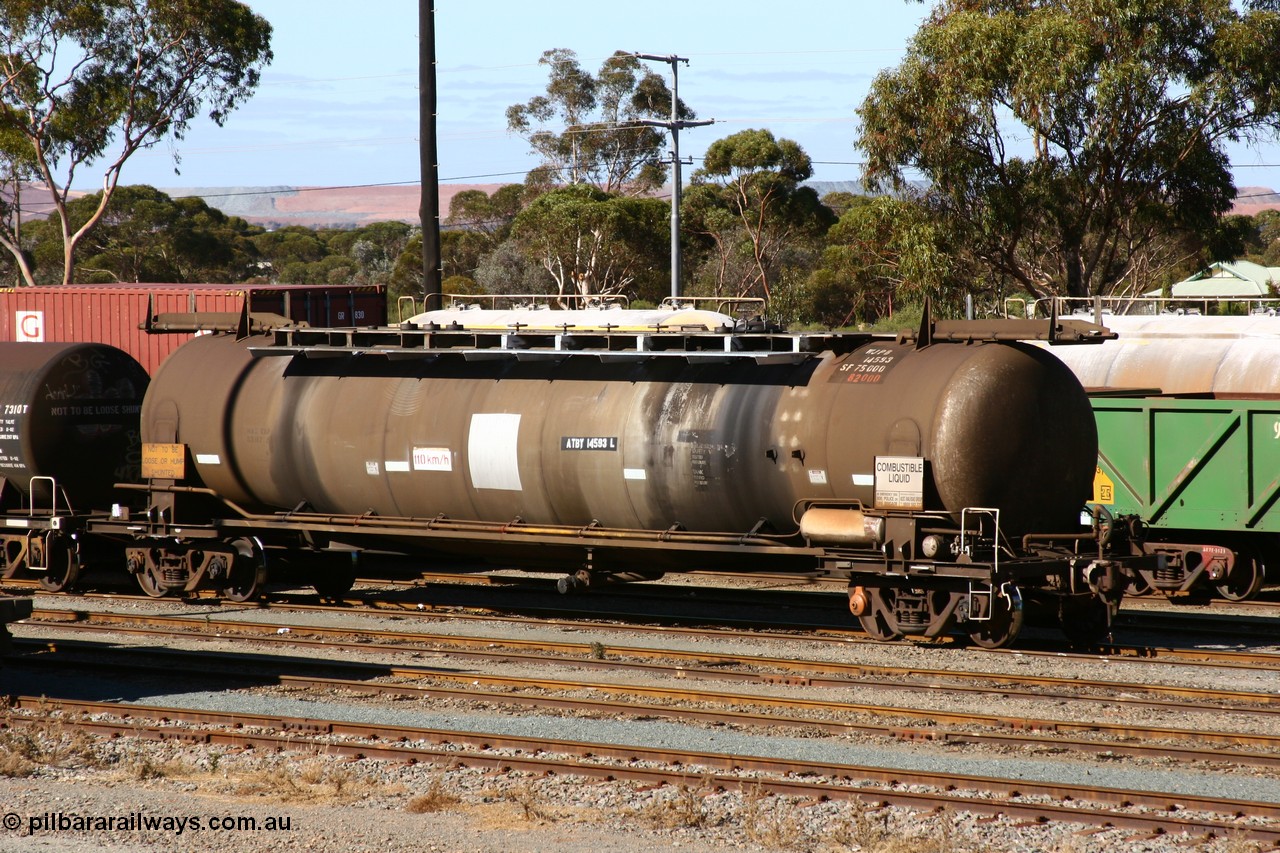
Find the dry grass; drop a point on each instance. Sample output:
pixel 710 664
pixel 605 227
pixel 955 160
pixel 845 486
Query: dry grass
pixel 315 781
pixel 682 809
pixel 435 799
pixel 48 744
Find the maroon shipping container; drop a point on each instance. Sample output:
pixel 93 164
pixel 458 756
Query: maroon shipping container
pixel 113 313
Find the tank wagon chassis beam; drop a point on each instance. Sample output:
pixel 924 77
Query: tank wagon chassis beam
pixel 47 546
pixel 979 591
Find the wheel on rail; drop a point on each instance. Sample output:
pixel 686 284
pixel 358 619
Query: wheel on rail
pixel 1005 621
pixel 15 557
pixel 150 584
pixel 62 567
pixel 335 578
pixel 146 573
pixel 248 572
pixel 1246 577
pixel 1086 621
pixel 875 620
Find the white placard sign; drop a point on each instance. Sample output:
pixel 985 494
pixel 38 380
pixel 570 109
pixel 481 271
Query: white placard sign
pixel 900 482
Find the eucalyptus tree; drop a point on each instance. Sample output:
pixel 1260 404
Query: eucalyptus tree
pixel 594 243
pixel 587 129
pixel 85 82
pixel 147 236
pixel 748 215
pixel 1077 147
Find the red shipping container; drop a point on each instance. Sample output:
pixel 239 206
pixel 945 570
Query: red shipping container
pixel 115 313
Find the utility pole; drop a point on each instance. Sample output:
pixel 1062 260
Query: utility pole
pixel 429 210
pixel 675 125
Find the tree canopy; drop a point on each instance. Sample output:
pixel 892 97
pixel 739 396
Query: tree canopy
pixel 748 213
pixel 1076 147
pixel 146 236
pixel 89 80
pixel 591 242
pixel 586 128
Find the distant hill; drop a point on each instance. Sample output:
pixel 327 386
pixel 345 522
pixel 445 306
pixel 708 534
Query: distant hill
pixel 351 207
pixel 1254 200
pixel 1249 200
pixel 319 207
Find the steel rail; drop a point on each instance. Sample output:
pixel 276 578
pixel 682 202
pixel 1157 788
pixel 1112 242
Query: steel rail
pixel 820 635
pixel 842 674
pixel 269 666
pixel 602 761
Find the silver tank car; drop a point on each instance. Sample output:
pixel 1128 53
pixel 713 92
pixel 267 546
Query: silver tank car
pixel 69 412
pixel 1180 354
pixel 630 443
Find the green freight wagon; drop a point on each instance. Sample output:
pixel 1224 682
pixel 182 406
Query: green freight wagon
pixel 1203 472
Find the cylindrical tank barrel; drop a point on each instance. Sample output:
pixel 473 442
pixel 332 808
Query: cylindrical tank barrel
pixel 634 442
pixel 1184 354
pixel 70 412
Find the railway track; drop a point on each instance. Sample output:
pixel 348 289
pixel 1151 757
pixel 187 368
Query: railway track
pixel 804 603
pixel 1152 812
pixel 706 664
pixel 630 623
pixel 633 678
pixel 685 703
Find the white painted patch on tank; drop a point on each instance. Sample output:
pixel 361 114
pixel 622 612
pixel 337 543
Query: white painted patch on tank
pixel 493 452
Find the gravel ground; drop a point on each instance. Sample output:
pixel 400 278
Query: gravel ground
pixel 329 804
pixel 341 805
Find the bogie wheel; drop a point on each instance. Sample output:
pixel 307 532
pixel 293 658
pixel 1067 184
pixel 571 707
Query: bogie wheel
pixel 248 571
pixel 63 567
pixel 335 578
pixel 874 621
pixel 15 559
pixel 1006 620
pixel 1086 621
pixel 1245 578
pixel 147 580
pixel 150 585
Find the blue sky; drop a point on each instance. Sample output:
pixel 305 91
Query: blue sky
pixel 339 105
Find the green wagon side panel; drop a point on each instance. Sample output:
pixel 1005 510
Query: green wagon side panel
pixel 1192 463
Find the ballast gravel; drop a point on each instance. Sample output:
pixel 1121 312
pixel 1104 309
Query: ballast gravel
pixel 109 796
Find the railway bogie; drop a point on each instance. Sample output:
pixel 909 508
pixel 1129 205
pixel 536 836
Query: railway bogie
pixel 238 567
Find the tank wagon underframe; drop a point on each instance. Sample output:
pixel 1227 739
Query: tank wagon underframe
pixel 983 591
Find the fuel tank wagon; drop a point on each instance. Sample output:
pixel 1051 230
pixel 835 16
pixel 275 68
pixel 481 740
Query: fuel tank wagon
pixel 68 432
pixel 941 473
pixel 68 421
pixel 648 444
pixel 1183 354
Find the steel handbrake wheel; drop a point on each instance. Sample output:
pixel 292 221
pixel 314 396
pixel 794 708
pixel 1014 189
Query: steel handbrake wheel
pixel 1005 622
pixel 248 571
